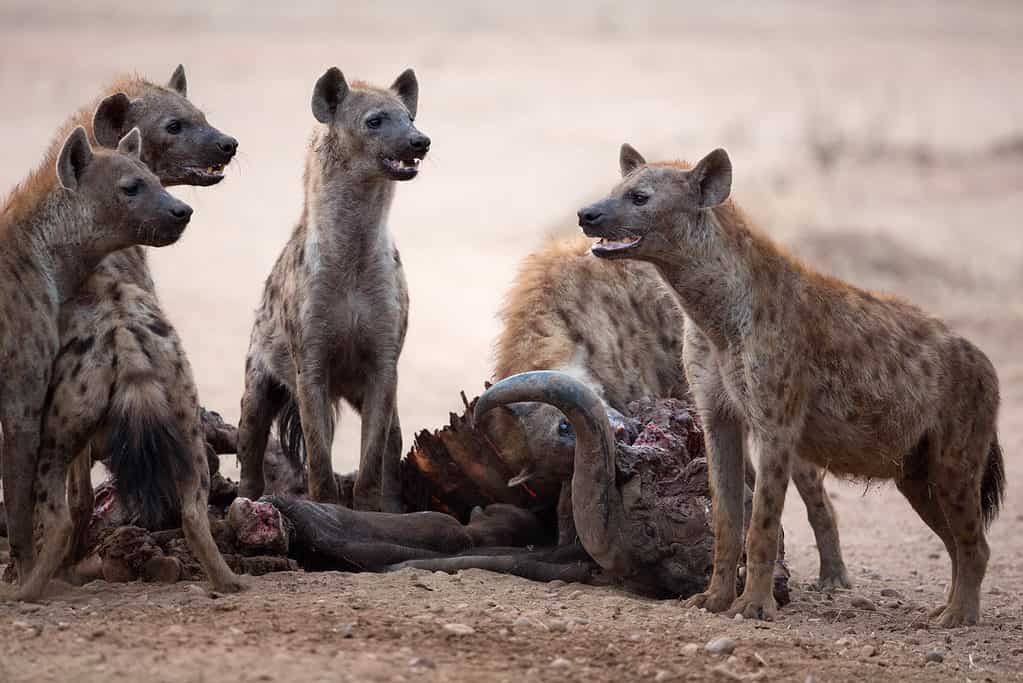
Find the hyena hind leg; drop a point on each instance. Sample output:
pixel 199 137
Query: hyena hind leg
pixel 193 485
pixel 809 481
pixel 920 494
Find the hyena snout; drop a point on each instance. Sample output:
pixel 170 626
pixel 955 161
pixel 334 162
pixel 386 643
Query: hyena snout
pixel 170 222
pixel 228 146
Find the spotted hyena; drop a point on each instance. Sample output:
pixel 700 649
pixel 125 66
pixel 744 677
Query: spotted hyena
pixel 803 366
pixel 80 205
pixel 334 313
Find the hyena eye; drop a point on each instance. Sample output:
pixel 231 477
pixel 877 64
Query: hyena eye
pixel 173 127
pixel 132 187
pixel 564 428
pixel 374 122
pixel 639 199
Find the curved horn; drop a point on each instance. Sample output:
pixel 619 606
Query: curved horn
pixel 596 502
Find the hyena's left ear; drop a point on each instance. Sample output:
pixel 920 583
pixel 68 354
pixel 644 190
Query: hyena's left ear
pixel 177 81
pixel 75 156
pixel 406 87
pixel 110 119
pixel 131 144
pixel 711 179
pixel 629 159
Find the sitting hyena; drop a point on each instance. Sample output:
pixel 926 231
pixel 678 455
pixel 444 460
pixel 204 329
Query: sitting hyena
pixel 114 334
pixel 335 309
pixel 79 206
pixel 807 366
pixel 616 326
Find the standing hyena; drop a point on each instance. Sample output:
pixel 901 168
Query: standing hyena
pixel 115 334
pixel 335 309
pixel 808 367
pixel 79 206
pixel 616 326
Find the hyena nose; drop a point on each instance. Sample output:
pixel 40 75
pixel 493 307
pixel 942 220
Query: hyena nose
pixel 420 143
pixel 181 211
pixel 590 216
pixel 228 145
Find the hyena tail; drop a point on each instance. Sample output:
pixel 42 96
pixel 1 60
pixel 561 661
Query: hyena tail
pixel 992 485
pixel 147 452
pixel 289 430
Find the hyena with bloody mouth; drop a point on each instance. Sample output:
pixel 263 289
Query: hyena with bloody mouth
pixel 805 366
pixel 334 313
pixel 114 334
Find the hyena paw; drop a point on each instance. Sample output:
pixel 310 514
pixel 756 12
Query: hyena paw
pixel 711 600
pixel 833 578
pixel 953 616
pixel 764 609
pixel 233 584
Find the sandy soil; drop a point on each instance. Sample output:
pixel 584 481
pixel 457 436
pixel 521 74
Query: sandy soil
pixel 883 145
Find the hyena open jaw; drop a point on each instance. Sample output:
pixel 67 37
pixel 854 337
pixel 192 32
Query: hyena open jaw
pixel 334 313
pixel 81 205
pixel 144 427
pixel 806 366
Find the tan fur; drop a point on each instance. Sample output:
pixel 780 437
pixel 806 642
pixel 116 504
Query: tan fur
pixel 806 366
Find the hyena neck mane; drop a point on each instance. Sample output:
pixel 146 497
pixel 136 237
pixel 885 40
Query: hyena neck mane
pixel 52 230
pixel 722 268
pixel 345 213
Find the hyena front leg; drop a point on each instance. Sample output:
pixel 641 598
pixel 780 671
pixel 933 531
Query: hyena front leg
pixel 809 481
pixel 774 461
pixel 317 416
pixel 377 486
pixel 725 455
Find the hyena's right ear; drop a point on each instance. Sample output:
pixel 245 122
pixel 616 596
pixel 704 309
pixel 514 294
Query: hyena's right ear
pixel 111 119
pixel 629 159
pixel 329 92
pixel 75 157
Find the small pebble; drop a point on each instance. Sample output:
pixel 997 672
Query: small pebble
pixel 891 593
pixel 690 649
pixel 867 651
pixel 422 663
pixel 459 629
pixel 561 663
pixel 344 630
pixel 522 621
pixel 663 675
pixel 720 646
pixel 860 602
pixel 738 617
pixel 934 656
pixel 557 625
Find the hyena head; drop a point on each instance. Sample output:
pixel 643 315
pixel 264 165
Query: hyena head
pixel 656 208
pixel 126 203
pixel 373 128
pixel 178 143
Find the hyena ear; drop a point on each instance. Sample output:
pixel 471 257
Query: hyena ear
pixel 406 87
pixel 110 119
pixel 328 93
pixel 131 144
pixel 177 81
pixel 712 179
pixel 75 156
pixel 629 159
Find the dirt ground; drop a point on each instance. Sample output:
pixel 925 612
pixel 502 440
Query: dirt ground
pixel 884 145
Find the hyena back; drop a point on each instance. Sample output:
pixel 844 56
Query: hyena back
pixel 805 366
pixel 334 312
pixel 81 205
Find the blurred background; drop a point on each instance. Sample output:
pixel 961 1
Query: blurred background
pixel 884 142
